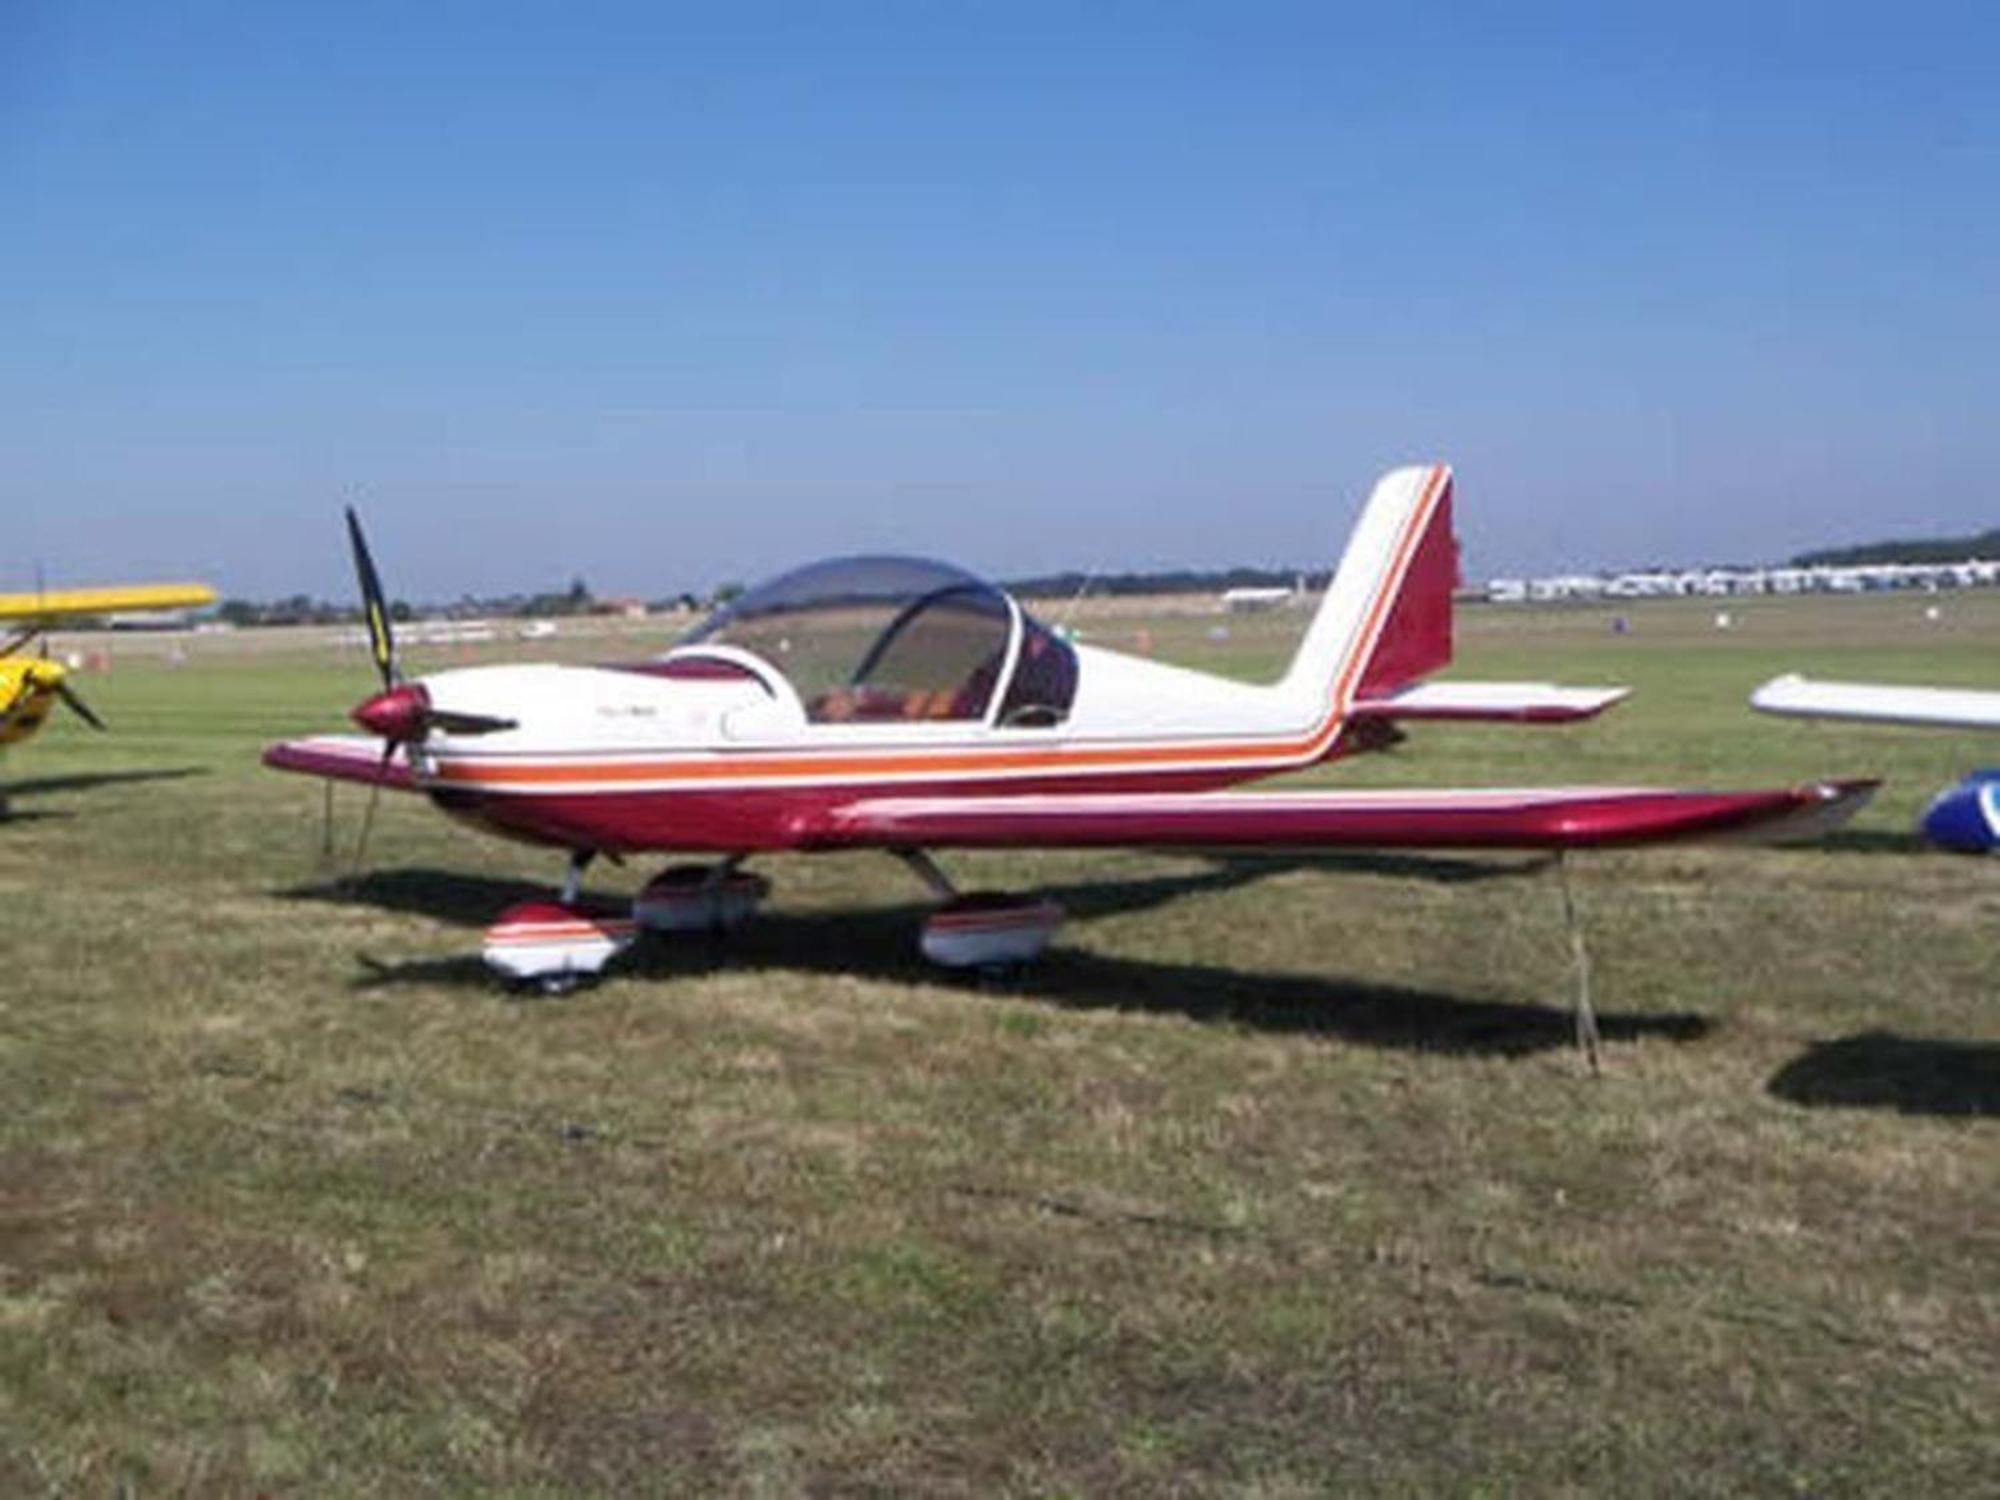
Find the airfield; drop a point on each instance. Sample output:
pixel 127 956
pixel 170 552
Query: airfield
pixel 1277 1177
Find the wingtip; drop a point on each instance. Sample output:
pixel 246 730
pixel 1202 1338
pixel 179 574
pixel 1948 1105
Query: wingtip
pixel 1820 807
pixel 1770 696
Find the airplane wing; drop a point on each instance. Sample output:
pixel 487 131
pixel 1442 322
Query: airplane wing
pixel 1508 702
pixel 56 604
pixel 1485 818
pixel 1885 703
pixel 343 757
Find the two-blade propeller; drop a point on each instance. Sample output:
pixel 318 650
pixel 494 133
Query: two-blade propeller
pixel 401 714
pixel 45 676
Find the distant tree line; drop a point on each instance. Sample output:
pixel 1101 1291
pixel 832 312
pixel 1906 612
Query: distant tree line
pixel 1936 550
pixel 577 599
pixel 298 609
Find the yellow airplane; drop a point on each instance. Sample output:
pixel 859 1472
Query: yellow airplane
pixel 30 686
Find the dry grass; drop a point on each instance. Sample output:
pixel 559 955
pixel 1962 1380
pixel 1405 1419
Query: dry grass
pixel 1273 1179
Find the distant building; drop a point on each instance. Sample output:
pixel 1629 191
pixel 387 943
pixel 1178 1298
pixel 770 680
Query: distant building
pixel 1245 601
pixel 149 619
pixel 1718 583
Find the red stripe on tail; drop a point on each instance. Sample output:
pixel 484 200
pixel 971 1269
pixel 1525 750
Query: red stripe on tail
pixel 1416 638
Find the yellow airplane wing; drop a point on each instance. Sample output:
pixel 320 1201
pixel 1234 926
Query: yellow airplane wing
pixel 54 604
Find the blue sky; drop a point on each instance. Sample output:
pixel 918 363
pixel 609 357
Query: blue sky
pixel 664 295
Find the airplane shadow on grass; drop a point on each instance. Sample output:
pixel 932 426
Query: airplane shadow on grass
pixel 82 781
pixel 879 943
pixel 1881 1070
pixel 1872 841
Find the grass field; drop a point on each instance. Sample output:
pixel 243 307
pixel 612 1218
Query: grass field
pixel 1273 1178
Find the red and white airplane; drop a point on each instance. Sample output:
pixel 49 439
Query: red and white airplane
pixel 908 706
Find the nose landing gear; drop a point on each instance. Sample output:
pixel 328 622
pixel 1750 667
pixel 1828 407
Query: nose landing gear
pixel 558 946
pixel 553 946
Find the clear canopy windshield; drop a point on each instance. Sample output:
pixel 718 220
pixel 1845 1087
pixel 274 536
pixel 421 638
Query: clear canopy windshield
pixel 875 638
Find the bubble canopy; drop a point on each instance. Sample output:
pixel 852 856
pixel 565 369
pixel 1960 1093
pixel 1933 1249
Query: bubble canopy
pixel 869 639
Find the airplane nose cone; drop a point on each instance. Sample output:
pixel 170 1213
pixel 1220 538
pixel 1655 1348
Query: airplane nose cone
pixel 397 715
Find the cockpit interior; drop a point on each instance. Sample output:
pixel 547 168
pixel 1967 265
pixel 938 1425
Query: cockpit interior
pixel 881 639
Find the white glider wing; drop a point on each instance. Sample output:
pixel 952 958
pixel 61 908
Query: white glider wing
pixel 1883 703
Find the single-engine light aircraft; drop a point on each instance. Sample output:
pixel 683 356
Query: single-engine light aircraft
pixel 31 686
pixel 1965 817
pixel 908 706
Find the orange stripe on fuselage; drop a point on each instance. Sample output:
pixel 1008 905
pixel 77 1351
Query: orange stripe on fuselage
pixel 820 765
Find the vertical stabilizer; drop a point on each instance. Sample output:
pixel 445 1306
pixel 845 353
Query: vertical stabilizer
pixel 1386 619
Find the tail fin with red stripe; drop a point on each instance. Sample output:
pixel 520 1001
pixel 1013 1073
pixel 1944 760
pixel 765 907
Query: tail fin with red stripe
pixel 1385 621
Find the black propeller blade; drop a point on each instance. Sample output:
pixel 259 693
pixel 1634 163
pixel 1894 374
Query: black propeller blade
pixel 382 648
pixel 77 706
pixel 381 640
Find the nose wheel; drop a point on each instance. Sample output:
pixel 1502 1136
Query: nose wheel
pixel 557 946
pixel 554 946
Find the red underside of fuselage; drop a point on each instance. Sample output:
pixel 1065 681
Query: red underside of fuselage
pixel 748 820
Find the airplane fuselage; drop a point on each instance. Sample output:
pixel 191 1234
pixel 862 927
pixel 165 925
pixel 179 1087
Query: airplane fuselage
pixel 711 750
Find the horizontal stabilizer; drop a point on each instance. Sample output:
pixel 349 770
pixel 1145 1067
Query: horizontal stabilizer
pixel 1884 703
pixel 343 757
pixel 1507 702
pixel 1523 818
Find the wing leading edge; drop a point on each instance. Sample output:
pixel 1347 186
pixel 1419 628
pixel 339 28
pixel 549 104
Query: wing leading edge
pixel 343 757
pixel 55 604
pixel 1547 818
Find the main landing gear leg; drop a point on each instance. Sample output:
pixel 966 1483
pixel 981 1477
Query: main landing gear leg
pixel 1579 958
pixel 926 869
pixel 572 886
